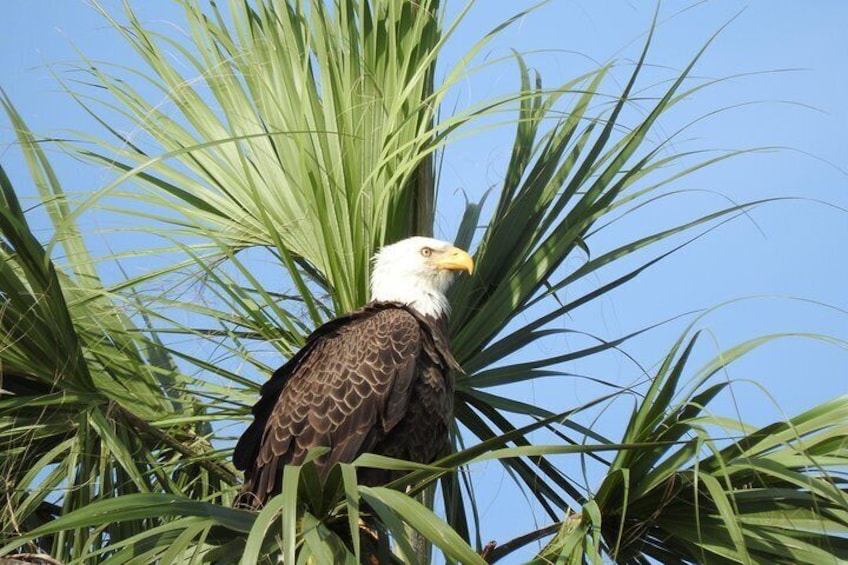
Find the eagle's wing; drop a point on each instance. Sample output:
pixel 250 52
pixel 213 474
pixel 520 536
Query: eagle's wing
pixel 347 387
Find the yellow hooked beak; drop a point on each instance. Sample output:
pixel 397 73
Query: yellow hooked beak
pixel 455 259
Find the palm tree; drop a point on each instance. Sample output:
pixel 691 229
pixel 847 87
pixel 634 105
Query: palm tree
pixel 295 138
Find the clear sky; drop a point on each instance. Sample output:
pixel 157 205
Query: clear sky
pixel 795 56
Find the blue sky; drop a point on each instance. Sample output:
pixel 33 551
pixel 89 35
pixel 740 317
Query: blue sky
pixel 789 75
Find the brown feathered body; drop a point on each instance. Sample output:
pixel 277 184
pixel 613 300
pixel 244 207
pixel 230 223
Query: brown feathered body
pixel 377 380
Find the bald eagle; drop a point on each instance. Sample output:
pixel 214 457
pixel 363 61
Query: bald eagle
pixel 376 380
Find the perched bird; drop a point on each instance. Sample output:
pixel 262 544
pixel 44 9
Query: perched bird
pixel 376 380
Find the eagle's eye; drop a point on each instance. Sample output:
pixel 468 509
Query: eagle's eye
pixel 426 251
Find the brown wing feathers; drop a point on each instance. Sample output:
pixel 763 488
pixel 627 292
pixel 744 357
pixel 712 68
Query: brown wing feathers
pixel 346 389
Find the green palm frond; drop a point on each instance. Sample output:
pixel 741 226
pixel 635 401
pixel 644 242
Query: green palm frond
pixel 81 392
pixel 701 488
pixel 326 114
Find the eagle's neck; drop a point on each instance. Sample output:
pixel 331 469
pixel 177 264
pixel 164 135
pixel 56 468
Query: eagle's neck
pixel 424 294
pixel 426 302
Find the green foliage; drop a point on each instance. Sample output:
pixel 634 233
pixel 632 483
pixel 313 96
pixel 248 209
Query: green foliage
pixel 304 135
pixel 87 411
pixel 685 494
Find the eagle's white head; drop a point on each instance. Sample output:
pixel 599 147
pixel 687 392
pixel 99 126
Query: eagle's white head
pixel 418 271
